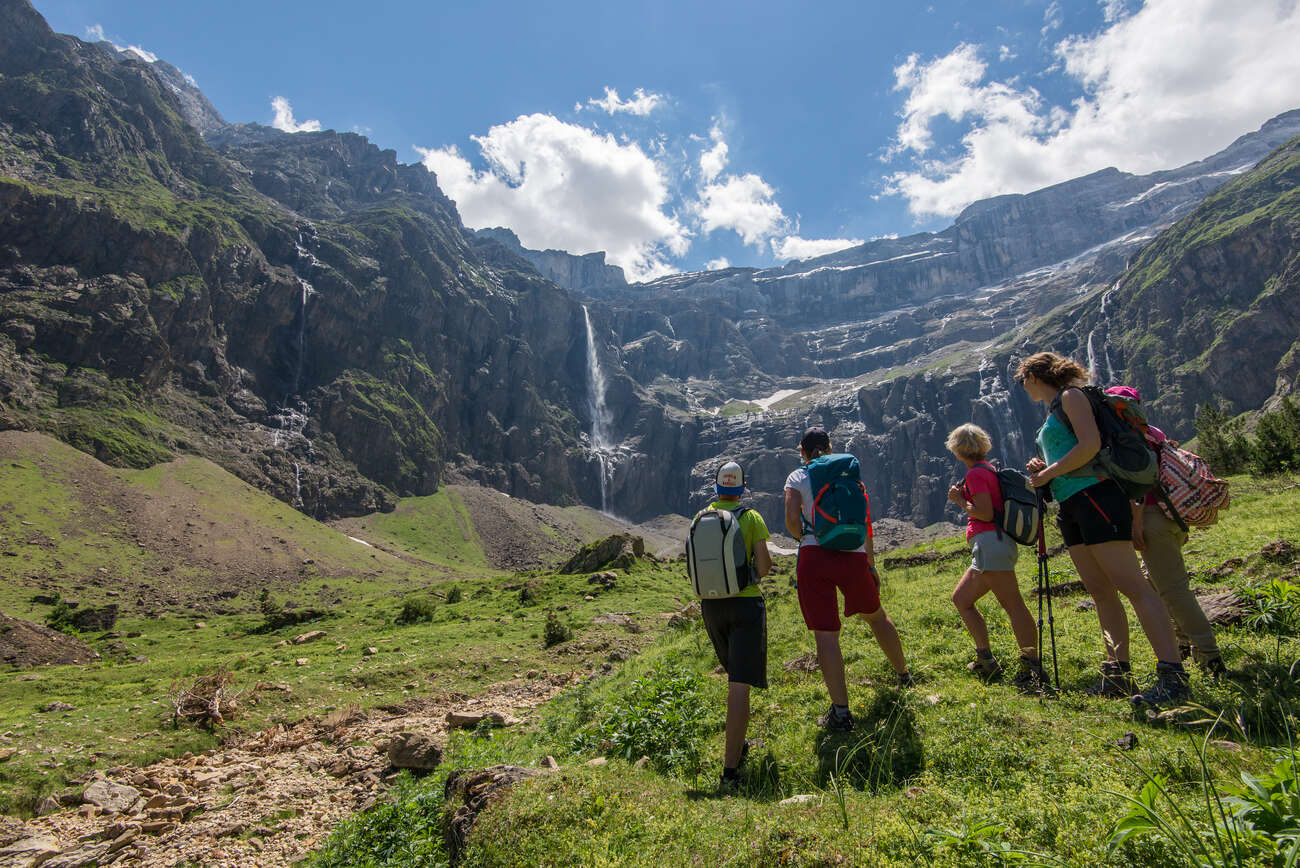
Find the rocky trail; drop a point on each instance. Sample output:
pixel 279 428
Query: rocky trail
pixel 264 799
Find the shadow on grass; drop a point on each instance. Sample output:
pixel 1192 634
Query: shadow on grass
pixel 883 751
pixel 760 781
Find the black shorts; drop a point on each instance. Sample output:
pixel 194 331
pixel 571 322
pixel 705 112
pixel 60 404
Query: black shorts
pixel 1100 513
pixel 738 628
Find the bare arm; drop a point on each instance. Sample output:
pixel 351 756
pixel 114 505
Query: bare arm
pixel 981 508
pixel 762 558
pixel 794 513
pixel 1079 411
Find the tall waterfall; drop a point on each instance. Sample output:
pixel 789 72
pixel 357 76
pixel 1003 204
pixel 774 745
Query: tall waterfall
pixel 600 415
pixel 290 420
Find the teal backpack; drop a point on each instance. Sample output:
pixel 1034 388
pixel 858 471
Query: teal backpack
pixel 841 513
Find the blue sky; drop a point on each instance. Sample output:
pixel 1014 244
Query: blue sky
pixel 684 135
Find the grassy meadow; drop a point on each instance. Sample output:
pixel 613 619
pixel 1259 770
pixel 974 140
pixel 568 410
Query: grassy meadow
pixel 951 772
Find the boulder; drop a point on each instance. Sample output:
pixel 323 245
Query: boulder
pixel 24 644
pixel 29 851
pixel 94 619
pixel 310 636
pixel 471 719
pixel 414 750
pixel 111 796
pixel 618 551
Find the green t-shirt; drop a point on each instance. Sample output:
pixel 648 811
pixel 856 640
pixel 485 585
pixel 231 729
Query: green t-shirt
pixel 753 528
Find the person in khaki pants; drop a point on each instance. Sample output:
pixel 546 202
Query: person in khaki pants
pixel 1159 540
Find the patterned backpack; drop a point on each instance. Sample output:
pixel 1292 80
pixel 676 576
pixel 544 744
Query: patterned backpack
pixel 1192 494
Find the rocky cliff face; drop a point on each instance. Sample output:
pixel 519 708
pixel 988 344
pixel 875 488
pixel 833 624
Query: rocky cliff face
pixel 311 314
pixel 301 308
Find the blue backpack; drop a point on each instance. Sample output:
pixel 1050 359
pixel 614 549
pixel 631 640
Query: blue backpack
pixel 841 513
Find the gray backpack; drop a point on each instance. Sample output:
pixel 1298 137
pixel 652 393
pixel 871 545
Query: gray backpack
pixel 716 558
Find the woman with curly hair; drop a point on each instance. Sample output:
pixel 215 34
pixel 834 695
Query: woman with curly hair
pixel 1096 525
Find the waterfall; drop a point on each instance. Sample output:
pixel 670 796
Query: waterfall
pixel 290 420
pixel 995 397
pixel 600 415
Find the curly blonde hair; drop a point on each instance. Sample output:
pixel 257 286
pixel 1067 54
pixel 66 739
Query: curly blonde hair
pixel 1054 370
pixel 969 441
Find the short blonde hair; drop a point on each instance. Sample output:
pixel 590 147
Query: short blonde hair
pixel 969 441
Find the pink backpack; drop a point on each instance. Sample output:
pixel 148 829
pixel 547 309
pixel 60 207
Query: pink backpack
pixel 1194 493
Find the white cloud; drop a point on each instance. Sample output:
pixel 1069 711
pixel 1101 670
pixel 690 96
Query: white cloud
pixel 1168 84
pixel 1005 53
pixel 717 264
pixel 285 121
pixel 1113 10
pixel 1052 17
pixel 95 33
pixel 564 186
pixel 640 103
pixel 743 203
pixel 714 160
pixel 794 247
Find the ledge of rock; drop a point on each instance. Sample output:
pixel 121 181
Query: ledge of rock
pixel 469 792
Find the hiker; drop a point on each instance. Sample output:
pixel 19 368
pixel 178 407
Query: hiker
pixel 737 624
pixel 1096 525
pixel 993 563
pixel 1159 540
pixel 820 571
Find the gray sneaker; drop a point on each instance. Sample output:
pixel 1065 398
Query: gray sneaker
pixel 836 722
pixel 1170 687
pixel 1115 682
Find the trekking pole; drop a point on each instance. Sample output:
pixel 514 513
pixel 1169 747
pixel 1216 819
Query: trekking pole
pixel 1045 583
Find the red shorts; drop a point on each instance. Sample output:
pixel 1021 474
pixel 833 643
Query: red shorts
pixel 820 571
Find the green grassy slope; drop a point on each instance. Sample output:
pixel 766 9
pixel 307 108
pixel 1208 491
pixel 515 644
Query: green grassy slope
pixel 946 755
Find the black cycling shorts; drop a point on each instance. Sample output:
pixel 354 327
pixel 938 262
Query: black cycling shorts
pixel 738 628
pixel 1100 513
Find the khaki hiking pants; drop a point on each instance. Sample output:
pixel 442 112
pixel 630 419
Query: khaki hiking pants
pixel 1163 558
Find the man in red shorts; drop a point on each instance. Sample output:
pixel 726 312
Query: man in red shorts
pixel 820 572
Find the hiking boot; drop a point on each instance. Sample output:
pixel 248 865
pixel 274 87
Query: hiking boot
pixel 905 679
pixel 1032 678
pixel 836 721
pixel 1116 681
pixel 1170 687
pixel 988 669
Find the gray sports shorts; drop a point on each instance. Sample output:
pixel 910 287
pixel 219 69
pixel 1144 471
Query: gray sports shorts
pixel 992 555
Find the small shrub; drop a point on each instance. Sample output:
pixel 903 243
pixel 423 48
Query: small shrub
pixel 209 700
pixel 556 630
pixel 60 617
pixel 455 595
pixel 275 616
pixel 528 592
pixel 662 715
pixel 415 609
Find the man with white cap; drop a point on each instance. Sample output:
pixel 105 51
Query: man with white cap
pixel 737 625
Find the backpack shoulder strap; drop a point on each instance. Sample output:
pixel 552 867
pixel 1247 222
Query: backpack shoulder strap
pixel 1059 412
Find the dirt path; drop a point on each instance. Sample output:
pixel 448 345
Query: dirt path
pixel 262 800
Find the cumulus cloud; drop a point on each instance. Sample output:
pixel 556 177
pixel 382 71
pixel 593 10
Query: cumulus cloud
pixel 717 264
pixel 794 247
pixel 1162 86
pixel 284 119
pixel 95 33
pixel 561 185
pixel 640 103
pixel 714 160
pixel 743 203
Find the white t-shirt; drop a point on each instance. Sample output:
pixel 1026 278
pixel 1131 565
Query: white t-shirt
pixel 799 481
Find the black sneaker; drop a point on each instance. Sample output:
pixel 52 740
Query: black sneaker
pixel 1116 681
pixel 988 669
pixel 1032 677
pixel 905 679
pixel 836 721
pixel 1170 687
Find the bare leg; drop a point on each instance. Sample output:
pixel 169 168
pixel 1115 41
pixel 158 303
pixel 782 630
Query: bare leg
pixel 1110 611
pixel 1007 590
pixel 887 638
pixel 737 723
pixel 964 596
pixel 1119 562
pixel 832 664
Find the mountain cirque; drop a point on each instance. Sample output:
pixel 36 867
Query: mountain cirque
pixel 311 315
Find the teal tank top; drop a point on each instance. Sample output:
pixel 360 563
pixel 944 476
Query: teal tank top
pixel 1054 441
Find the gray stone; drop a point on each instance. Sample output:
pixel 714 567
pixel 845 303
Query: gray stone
pixel 111 796
pixel 413 750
